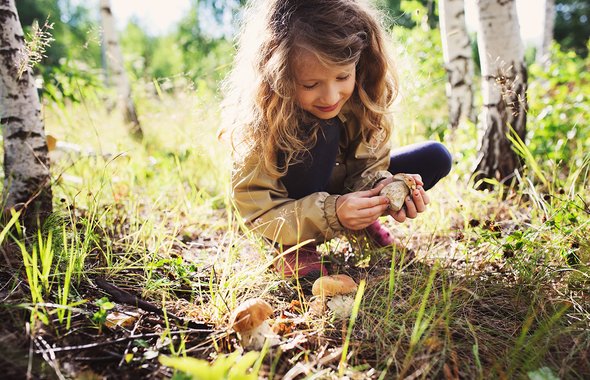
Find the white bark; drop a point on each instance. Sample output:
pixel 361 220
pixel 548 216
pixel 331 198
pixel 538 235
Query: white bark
pixel 26 163
pixel 116 69
pixel 504 84
pixel 458 61
pixel 544 49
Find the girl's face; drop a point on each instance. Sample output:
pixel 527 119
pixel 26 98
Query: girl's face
pixel 321 90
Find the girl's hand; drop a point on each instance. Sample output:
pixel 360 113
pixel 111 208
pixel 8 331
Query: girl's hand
pixel 415 203
pixel 358 210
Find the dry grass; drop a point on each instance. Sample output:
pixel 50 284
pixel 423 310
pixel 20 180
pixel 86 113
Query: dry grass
pixel 498 289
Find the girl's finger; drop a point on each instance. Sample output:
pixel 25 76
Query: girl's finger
pixel 371 192
pixel 411 211
pixel 372 212
pixel 399 216
pixel 418 201
pixel 425 196
pixel 373 202
pixel 418 179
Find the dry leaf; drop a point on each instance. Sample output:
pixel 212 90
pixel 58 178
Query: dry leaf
pixel 125 320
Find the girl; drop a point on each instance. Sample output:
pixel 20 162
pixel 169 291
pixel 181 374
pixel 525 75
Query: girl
pixel 307 104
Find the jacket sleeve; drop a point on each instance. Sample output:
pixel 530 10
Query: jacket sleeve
pixel 367 162
pixel 264 204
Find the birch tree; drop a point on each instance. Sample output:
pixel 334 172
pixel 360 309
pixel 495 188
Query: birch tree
pixel 548 25
pixel 26 163
pixel 504 85
pixel 117 77
pixel 458 60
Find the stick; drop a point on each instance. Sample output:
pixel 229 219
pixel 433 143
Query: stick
pixel 123 296
pixel 118 340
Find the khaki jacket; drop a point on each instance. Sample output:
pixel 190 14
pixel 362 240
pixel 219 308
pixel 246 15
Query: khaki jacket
pixel 266 208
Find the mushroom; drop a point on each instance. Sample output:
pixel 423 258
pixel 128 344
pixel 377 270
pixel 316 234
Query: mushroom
pixel 398 190
pixel 335 291
pixel 250 321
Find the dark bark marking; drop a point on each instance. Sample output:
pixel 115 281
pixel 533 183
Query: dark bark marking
pixel 10 120
pixel 8 53
pixel 23 135
pixel 5 14
pixel 459 83
pixel 461 57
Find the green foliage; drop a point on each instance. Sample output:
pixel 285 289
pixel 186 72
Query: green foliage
pixel 559 109
pixel 203 56
pixel 100 316
pixel 190 51
pixel 572 25
pixel 40 11
pixel 73 80
pixel 155 215
pixel 225 367
pixel 74 32
pixel 543 373
pixel 423 105
pixel 409 13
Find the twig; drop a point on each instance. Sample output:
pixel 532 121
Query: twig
pixel 119 340
pixel 222 297
pixel 586 206
pixel 123 296
pixel 129 343
pixel 320 361
pixel 30 361
pixel 49 355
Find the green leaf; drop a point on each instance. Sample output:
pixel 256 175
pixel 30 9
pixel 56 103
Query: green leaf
pixel 544 373
pixel 197 368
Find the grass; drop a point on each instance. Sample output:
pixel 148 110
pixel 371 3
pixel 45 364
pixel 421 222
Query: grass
pixel 498 289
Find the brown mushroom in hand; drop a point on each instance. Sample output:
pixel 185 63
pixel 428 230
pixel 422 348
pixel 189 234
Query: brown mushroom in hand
pixel 250 321
pixel 336 292
pixel 398 190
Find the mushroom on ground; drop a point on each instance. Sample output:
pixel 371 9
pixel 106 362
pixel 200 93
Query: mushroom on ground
pixel 250 321
pixel 398 190
pixel 335 291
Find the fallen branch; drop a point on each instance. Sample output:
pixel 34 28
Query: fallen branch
pixel 118 340
pixel 122 296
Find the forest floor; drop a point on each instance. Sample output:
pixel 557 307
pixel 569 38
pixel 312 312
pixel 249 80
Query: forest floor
pixel 144 261
pixel 442 315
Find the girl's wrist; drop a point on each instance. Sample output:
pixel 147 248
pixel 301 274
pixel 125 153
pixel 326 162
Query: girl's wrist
pixel 331 212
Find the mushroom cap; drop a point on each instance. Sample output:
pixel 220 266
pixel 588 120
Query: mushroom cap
pixel 333 285
pixel 407 179
pixel 397 190
pixel 250 314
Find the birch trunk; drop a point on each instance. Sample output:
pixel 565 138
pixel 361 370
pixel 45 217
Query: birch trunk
pixel 544 49
pixel 116 69
pixel 504 85
pixel 26 164
pixel 458 60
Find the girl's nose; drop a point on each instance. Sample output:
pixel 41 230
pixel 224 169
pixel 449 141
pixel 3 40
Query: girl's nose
pixel 329 96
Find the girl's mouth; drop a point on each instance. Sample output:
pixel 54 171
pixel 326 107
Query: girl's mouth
pixel 329 108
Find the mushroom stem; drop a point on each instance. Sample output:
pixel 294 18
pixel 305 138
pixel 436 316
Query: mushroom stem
pixel 341 305
pixel 254 339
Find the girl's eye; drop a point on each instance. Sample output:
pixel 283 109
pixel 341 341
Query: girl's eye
pixel 344 77
pixel 310 86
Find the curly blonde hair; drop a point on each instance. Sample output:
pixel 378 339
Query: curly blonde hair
pixel 259 108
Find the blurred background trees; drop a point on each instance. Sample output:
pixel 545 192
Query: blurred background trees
pixel 200 45
pixel 572 25
pixel 197 53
